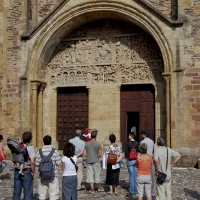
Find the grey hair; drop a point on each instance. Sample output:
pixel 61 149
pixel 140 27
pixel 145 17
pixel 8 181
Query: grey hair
pixel 78 133
pixel 143 148
pixel 161 142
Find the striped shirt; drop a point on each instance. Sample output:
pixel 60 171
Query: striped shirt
pixel 56 159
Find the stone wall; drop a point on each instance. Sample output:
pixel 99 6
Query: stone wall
pixel 1 63
pixel 164 6
pixel 189 11
pixel 45 7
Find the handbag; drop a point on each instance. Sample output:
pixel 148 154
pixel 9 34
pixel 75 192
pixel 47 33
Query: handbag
pixel 133 153
pixel 162 176
pixel 74 164
pixel 112 158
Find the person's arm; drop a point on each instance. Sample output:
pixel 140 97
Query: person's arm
pixel 33 164
pixel 63 165
pixel 155 161
pixel 85 152
pixel 58 158
pixel 2 153
pixel 119 157
pixel 80 154
pixel 31 153
pixel 37 159
pixel 100 151
pixel 100 154
pixel 176 160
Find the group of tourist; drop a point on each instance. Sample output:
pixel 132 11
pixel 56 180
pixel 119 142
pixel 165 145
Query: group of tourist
pixel 140 160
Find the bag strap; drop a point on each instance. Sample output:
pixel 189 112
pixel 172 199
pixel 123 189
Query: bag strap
pixel 73 163
pixel 133 147
pixel 50 154
pixel 167 161
pixel 41 154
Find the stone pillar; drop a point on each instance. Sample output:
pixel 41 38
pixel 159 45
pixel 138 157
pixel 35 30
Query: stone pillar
pixel 35 12
pixel 168 109
pixel 39 137
pixel 34 98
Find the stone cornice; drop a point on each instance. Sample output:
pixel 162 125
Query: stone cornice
pixel 150 8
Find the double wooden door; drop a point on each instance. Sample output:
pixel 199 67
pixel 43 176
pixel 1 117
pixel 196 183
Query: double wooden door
pixel 137 110
pixel 72 112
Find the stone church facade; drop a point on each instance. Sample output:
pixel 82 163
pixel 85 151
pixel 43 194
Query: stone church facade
pixel 111 65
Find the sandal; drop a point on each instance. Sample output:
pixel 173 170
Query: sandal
pixel 91 191
pixel 110 193
pixel 101 190
pixel 116 193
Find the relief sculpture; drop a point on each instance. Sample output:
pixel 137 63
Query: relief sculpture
pixel 124 58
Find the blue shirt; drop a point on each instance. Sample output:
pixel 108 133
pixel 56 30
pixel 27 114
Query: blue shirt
pixel 79 144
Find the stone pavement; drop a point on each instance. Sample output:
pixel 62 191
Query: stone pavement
pixel 185 185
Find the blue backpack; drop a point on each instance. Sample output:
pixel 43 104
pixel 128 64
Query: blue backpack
pixel 46 168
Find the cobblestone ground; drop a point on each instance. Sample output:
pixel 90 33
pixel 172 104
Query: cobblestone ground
pixel 185 185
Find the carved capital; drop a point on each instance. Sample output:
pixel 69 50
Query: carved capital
pixel 167 77
pixel 42 86
pixel 34 84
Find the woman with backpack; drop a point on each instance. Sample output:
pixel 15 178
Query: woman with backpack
pixel 113 152
pixel 69 181
pixel 132 148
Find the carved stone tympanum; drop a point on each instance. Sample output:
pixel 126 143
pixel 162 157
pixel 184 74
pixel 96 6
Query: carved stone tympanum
pixel 90 56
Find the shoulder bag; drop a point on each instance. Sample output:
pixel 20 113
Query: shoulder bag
pixel 133 153
pixel 112 158
pixel 162 176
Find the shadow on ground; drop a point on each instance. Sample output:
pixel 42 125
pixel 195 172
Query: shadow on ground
pixel 191 193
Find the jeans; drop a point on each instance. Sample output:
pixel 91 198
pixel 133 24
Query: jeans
pixel 26 183
pixel 132 170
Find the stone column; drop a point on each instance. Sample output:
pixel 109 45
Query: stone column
pixel 35 12
pixel 168 108
pixel 39 137
pixel 34 88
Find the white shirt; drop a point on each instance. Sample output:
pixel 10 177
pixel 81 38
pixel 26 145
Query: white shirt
pixel 69 168
pixel 150 145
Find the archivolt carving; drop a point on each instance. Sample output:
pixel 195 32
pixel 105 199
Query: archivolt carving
pixel 121 58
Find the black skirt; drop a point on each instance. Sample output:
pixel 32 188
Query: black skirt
pixel 112 175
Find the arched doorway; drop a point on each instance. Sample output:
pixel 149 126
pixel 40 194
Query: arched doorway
pixel 62 24
pixel 99 55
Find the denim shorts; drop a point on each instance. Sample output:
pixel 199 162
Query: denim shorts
pixel 143 185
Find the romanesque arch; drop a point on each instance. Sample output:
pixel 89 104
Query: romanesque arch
pixel 48 39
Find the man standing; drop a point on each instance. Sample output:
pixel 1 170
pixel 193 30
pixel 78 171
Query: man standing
pixel 79 149
pixel 164 164
pixel 29 169
pixel 150 149
pixel 48 187
pixel 93 151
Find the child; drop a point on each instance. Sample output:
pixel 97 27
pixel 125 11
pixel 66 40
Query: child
pixel 20 154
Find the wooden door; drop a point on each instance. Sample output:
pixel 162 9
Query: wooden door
pixel 140 99
pixel 72 112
